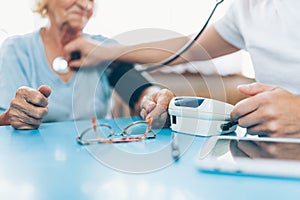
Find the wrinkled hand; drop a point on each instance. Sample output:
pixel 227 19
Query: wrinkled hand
pixel 91 52
pixel 28 107
pixel 265 150
pixel 269 111
pixel 155 106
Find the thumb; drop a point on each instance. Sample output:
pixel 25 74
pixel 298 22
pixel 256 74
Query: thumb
pixel 255 88
pixel 73 45
pixel 45 90
pixel 164 97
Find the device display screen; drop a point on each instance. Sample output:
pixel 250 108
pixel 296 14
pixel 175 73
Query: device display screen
pixel 188 102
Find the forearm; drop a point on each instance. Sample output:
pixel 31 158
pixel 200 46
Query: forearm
pixel 154 52
pixel 209 45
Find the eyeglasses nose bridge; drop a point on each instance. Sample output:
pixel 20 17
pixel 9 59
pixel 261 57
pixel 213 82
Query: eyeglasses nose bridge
pixel 111 130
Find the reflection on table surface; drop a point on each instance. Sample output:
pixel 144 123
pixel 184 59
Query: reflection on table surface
pixel 48 163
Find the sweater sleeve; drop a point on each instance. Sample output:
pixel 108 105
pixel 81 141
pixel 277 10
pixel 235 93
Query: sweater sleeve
pixel 12 73
pixel 228 26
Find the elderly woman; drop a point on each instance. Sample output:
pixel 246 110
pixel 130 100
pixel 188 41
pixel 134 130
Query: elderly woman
pixel 28 77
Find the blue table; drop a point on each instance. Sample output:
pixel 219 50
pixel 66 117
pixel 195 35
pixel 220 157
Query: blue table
pixel 49 164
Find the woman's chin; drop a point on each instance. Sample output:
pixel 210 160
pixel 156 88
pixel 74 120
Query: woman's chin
pixel 75 28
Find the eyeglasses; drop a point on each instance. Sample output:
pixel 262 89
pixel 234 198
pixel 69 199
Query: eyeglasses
pixel 104 133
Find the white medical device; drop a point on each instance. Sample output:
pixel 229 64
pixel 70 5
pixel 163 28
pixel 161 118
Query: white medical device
pixel 200 116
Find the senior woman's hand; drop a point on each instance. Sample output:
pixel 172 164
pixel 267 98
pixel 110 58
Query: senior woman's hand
pixel 155 106
pixel 28 108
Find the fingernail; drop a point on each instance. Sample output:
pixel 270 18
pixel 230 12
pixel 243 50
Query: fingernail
pixel 244 86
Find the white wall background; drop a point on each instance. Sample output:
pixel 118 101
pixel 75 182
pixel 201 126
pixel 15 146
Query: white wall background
pixel 113 18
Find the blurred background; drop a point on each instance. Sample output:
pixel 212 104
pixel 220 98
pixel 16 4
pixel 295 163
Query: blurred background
pixel 113 18
pixel 133 21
